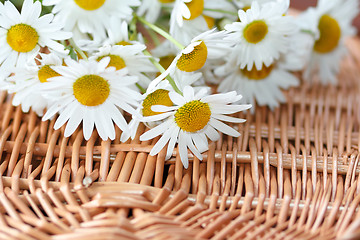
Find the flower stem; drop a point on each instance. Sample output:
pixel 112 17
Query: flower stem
pixel 154 37
pixel 142 90
pixel 173 84
pixel 133 30
pixel 161 32
pixel 161 69
pixel 77 49
pixel 308 32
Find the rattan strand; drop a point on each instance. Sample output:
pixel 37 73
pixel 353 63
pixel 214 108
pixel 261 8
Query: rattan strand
pixel 292 174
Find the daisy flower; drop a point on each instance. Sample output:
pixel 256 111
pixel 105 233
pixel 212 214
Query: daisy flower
pixel 129 56
pixel 158 96
pixel 91 16
pixel 300 47
pixel 191 18
pixel 333 23
pixel 263 85
pixel 181 11
pixel 262 34
pixel 194 118
pixel 22 34
pixel 152 8
pixel 90 92
pixel 27 81
pixel 191 9
pixel 165 52
pixel 117 34
pixel 208 45
pixel 189 29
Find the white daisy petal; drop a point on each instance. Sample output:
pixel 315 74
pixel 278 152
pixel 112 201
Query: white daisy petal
pixel 182 148
pixel 211 133
pixel 74 121
pixel 188 93
pixel 226 97
pixel 189 128
pixel 162 108
pixel 161 143
pixel 52 111
pixel 116 116
pixel 157 117
pixel 200 141
pixel 224 128
pixel 25 33
pixel 88 124
pixel 101 109
pixel 11 11
pixel 228 118
pixel 109 126
pixel 65 115
pixel 193 149
pixel 174 137
pixel 100 127
pixel 177 98
pixel 93 19
pixel 156 131
pixel 30 10
pixel 228 109
pixel 133 127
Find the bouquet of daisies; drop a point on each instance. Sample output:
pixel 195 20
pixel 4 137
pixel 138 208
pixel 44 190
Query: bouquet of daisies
pixel 91 63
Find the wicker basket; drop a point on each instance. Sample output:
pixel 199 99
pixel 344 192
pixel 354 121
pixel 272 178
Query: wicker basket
pixel 293 174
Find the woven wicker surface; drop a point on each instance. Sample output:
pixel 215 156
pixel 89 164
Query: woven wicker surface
pixel 293 174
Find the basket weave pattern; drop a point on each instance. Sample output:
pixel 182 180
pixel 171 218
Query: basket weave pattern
pixel 292 174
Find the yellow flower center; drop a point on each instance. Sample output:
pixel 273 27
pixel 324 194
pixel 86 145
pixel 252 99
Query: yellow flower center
pixel 115 61
pixel 22 37
pixel 193 116
pixel 166 61
pixel 89 5
pixel 246 8
pixel 330 33
pixel 196 7
pixel 91 90
pixel 255 74
pixel 158 97
pixel 255 31
pixel 209 21
pixel 123 43
pixel 193 60
pixel 45 73
pixel 166 1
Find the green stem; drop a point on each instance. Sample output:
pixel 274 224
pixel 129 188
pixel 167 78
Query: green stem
pixel 161 32
pixel 308 32
pixel 132 28
pixel 173 84
pixel 142 90
pixel 154 37
pixel 161 69
pixel 77 49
